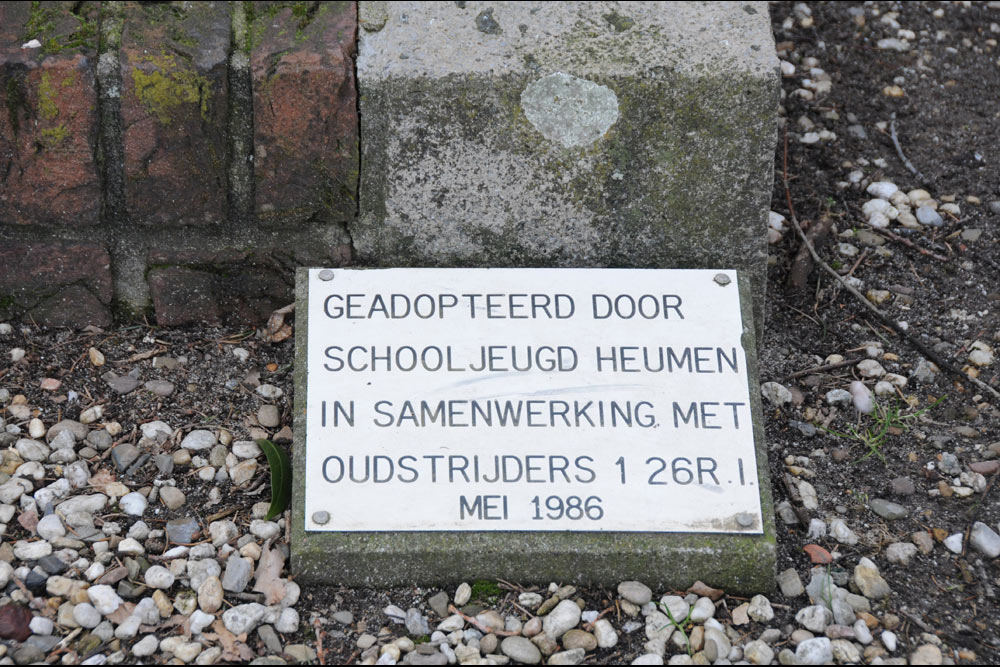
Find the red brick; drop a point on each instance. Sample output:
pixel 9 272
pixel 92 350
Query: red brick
pixel 60 283
pixel 305 113
pixel 48 128
pixel 174 59
pixel 229 286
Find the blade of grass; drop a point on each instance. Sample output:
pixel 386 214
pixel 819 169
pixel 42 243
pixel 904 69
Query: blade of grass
pixel 281 477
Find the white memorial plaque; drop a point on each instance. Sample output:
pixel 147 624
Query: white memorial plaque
pixel 528 399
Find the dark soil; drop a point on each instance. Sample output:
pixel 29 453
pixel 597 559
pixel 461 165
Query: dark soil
pixel 948 126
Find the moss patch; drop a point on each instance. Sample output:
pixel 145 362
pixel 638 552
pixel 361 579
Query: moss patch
pixel 54 136
pixel 168 85
pixel 41 25
pixel 47 108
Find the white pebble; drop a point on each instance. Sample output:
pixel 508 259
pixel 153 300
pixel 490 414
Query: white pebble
pixel 104 598
pixel 41 625
pixel 36 429
pixel 883 189
pixel 146 646
pixel 265 530
pixel 159 577
pixel 133 504
pixel 861 397
pixel 954 543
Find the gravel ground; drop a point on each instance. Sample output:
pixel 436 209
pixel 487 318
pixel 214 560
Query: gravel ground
pixel 133 496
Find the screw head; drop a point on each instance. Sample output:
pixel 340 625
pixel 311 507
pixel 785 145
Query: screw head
pixel 745 519
pixel 326 274
pixel 722 279
pixel 322 517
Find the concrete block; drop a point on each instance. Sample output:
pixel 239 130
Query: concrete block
pixel 567 134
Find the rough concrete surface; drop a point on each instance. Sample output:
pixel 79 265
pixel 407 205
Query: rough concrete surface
pixel 465 166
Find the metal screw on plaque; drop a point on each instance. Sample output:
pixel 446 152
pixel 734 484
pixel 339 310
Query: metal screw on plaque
pixel 745 519
pixel 722 279
pixel 321 518
pixel 326 274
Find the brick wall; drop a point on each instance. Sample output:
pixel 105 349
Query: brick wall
pixel 173 160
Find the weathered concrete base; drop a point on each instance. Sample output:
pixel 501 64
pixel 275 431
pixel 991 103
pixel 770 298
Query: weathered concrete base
pixel 595 134
pixel 737 563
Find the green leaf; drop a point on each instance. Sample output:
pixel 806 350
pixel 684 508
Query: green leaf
pixel 281 477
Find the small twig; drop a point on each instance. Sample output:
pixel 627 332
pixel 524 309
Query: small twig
pixel 854 268
pixel 910 244
pixel 822 369
pixel 899 151
pixel 320 652
pixel 509 586
pixel 885 319
pixel 482 628
pixel 802 265
pixel 590 626
pixel 141 355
pixel 923 626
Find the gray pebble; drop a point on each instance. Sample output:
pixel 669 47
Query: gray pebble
pixel 124 455
pixel 816 651
pixel 238 573
pixel 268 416
pixel 415 623
pixel 928 216
pixel 521 649
pixel 888 509
pixel 635 592
pixel 122 384
pixel 270 639
pixel 903 486
pixel 439 603
pixel 790 583
pixel 100 439
pixel 160 387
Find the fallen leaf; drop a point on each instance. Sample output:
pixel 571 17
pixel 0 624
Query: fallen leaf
pixel 268 579
pixel 234 650
pixel 702 589
pixel 101 479
pixel 818 554
pixel 277 330
pixel 28 520
pixel 113 576
pixel 272 367
pixel 120 615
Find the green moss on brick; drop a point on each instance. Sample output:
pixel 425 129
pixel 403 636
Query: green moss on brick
pixel 168 85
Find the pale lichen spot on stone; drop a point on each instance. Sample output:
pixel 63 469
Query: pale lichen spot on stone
pixel 569 110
